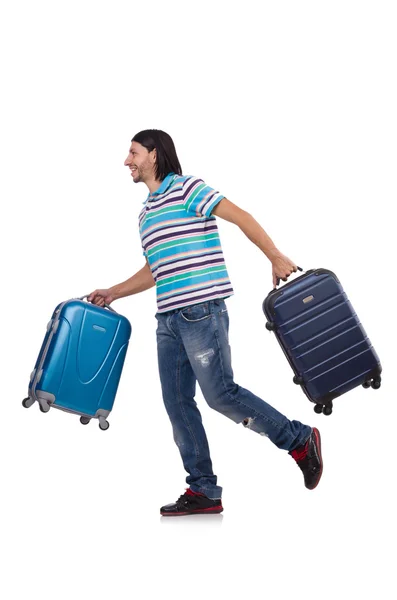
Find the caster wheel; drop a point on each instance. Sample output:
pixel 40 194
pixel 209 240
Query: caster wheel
pixel 104 425
pixel 298 380
pixel 327 410
pixel 269 326
pixel 366 384
pixel 375 384
pixel 44 409
pixel 318 409
pixel 84 420
pixel 27 402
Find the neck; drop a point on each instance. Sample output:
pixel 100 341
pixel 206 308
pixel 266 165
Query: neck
pixel 153 185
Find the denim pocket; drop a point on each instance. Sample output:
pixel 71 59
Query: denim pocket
pixel 196 312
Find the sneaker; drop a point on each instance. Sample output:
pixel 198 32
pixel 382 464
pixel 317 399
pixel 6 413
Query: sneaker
pixel 192 503
pixel 308 458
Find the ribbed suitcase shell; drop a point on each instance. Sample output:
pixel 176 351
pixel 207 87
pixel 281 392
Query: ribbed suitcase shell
pixel 321 335
pixel 81 359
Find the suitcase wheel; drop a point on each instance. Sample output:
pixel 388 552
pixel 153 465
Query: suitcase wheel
pixel 45 408
pixel 375 383
pixel 84 420
pixel 27 402
pixel 297 380
pixel 327 410
pixel 104 425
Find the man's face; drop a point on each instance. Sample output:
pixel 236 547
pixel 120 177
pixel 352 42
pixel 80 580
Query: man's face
pixel 141 163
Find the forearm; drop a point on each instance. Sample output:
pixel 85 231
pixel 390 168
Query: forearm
pixel 141 281
pixel 258 235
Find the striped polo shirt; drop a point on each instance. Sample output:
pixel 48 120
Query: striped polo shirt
pixel 181 242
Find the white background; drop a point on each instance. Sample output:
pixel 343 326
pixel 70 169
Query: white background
pixel 287 108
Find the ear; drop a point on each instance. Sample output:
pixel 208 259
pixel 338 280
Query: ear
pixel 154 155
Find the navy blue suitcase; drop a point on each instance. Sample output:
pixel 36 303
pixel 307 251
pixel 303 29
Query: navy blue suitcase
pixel 80 361
pixel 322 338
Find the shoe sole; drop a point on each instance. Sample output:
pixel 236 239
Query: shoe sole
pixel 204 511
pixel 318 446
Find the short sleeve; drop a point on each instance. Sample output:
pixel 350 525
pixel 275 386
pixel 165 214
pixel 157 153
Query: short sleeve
pixel 198 198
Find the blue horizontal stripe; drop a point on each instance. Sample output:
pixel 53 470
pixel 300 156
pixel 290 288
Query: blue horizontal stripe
pixel 180 247
pixel 191 279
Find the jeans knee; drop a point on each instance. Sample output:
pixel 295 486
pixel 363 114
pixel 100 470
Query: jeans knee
pixel 223 401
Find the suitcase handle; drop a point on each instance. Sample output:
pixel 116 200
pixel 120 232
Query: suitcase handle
pixel 278 278
pixel 106 305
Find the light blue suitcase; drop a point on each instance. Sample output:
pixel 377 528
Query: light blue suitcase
pixel 80 361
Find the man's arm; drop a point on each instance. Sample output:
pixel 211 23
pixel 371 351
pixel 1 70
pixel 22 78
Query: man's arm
pixel 141 281
pixel 282 265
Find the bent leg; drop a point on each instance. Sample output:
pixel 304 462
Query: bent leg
pixel 207 347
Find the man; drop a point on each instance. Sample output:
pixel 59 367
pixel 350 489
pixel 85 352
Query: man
pixel 184 260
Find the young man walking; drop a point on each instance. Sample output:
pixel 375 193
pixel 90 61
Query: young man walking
pixel 184 260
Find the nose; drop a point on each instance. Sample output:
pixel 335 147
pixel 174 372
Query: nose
pixel 127 161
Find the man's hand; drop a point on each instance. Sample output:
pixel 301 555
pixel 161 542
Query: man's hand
pixel 282 267
pixel 101 297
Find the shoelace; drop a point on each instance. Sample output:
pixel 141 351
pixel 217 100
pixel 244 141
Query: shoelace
pixel 182 499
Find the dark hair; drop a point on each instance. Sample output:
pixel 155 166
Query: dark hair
pixel 167 160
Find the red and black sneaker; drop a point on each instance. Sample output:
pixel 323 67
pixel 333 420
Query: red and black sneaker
pixel 192 503
pixel 309 460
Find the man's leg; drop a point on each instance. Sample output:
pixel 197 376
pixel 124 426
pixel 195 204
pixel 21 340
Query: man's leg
pixel 204 331
pixel 178 383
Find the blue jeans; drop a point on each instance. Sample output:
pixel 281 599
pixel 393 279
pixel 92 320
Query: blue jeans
pixel 193 345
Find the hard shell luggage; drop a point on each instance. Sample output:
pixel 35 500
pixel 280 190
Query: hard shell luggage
pixel 322 338
pixel 80 361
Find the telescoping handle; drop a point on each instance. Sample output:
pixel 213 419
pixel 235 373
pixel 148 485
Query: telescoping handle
pixel 278 278
pixel 106 305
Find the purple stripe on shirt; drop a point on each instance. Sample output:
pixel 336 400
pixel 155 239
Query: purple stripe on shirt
pixel 191 186
pixel 204 208
pixel 183 232
pixel 181 303
pixel 175 199
pixel 170 262
pixel 191 266
pixel 188 294
pixel 193 221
